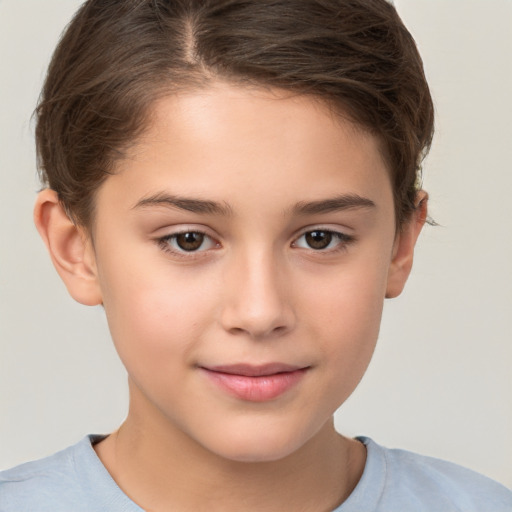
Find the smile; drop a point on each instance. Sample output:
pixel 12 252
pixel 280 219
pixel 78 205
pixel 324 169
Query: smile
pixel 255 383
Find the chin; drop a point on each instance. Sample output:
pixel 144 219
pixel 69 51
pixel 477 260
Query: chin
pixel 259 445
pixel 257 453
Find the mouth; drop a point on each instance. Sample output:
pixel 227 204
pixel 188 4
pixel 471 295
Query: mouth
pixel 255 383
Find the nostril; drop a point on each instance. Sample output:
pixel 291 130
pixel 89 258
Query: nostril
pixel 255 302
pixel 256 333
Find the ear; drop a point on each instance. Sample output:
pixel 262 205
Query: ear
pixel 70 248
pixel 403 249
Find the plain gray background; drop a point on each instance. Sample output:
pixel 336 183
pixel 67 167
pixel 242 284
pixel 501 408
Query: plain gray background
pixel 440 382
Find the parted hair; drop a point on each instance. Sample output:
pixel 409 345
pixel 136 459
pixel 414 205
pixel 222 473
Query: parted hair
pixel 117 57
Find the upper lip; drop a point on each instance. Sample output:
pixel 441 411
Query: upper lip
pixel 250 370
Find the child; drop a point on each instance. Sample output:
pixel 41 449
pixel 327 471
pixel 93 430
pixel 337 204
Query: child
pixel 236 182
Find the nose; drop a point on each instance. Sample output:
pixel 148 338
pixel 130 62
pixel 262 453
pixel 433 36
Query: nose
pixel 258 298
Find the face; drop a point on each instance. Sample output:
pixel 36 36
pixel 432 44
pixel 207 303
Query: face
pixel 242 251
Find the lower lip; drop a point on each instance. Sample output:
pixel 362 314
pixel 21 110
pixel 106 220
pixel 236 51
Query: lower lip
pixel 256 389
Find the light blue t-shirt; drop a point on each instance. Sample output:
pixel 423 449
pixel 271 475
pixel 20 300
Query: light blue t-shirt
pixel 74 480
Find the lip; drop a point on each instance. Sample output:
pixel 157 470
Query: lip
pixel 255 383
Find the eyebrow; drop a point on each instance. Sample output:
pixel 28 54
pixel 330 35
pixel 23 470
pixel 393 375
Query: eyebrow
pixel 205 206
pixel 201 206
pixel 338 203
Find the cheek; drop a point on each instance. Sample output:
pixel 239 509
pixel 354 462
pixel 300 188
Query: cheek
pixel 348 310
pixel 350 298
pixel 156 314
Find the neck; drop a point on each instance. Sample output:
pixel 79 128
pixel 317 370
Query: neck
pixel 161 468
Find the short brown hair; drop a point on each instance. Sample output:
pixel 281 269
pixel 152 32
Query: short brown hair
pixel 117 57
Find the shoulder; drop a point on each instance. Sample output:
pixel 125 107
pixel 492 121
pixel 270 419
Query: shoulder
pixel 465 489
pixel 420 483
pixel 72 479
pixel 23 487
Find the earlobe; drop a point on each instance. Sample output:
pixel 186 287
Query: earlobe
pixel 70 248
pixel 403 249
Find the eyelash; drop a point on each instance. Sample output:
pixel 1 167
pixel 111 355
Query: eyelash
pixel 343 240
pixel 165 242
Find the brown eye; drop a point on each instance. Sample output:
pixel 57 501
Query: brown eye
pixel 318 239
pixel 187 242
pixel 191 241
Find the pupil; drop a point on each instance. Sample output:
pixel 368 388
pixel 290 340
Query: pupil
pixel 190 241
pixel 318 239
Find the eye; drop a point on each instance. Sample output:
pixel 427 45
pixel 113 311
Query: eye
pixel 187 241
pixel 322 239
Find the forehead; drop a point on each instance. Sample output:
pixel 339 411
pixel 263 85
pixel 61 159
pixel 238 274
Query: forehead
pixel 240 145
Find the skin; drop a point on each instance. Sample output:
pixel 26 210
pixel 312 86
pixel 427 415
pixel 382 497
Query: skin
pixel 255 292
